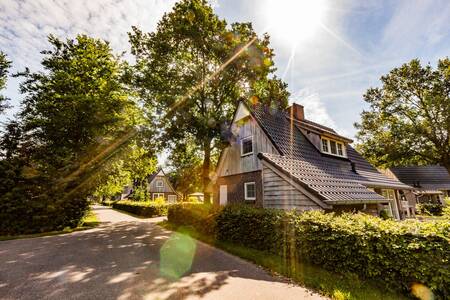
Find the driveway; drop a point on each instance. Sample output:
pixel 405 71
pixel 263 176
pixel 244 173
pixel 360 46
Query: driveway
pixel 131 258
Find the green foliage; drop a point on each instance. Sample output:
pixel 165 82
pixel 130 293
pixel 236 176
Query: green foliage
pixel 4 67
pixel 193 70
pixel 430 209
pixel 397 253
pixel 200 216
pixel 144 209
pixel 446 208
pixel 186 163
pixel 409 117
pixel 77 116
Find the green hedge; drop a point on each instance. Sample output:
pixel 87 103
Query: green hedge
pixel 398 253
pixel 143 209
pixel 201 216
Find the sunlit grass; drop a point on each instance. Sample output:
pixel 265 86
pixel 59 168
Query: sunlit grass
pixel 89 221
pixel 337 286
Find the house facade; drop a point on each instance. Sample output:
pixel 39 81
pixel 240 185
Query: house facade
pixel 159 186
pixel 431 183
pixel 279 159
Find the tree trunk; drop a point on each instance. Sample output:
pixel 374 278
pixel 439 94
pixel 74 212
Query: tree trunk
pixel 206 169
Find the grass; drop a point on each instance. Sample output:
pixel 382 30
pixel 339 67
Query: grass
pixel 88 222
pixel 337 286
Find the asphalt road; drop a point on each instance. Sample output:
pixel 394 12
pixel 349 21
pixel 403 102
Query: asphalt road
pixel 130 258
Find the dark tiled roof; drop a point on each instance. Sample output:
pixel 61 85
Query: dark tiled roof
pixel 424 177
pixel 321 173
pixel 330 184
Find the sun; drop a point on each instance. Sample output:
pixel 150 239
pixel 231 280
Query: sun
pixel 294 20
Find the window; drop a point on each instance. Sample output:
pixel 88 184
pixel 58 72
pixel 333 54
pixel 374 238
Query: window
pixel 250 191
pixel 324 145
pixel 172 198
pixel 159 183
pixel 157 195
pixel 340 149
pixel 333 147
pixel 246 146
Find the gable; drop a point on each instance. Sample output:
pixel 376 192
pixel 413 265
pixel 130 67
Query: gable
pixel 244 127
pixel 156 179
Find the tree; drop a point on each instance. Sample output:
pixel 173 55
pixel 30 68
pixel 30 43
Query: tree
pixel 193 70
pixel 4 67
pixel 409 117
pixel 185 161
pixel 78 117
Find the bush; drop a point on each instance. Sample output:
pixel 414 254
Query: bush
pixel 200 216
pixel 398 253
pixel 143 209
pixel 431 209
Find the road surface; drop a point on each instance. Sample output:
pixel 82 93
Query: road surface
pixel 131 258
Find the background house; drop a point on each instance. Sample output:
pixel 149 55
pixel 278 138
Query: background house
pixel 159 186
pixel 431 183
pixel 279 159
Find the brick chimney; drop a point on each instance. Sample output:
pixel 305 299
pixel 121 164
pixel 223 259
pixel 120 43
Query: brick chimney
pixel 296 111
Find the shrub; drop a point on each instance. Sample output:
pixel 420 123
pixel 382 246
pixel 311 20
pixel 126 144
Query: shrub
pixel 200 216
pixel 144 209
pixel 399 253
pixel 446 208
pixel 431 209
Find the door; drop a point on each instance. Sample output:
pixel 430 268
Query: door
pixel 223 195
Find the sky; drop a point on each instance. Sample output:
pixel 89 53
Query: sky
pixel 329 53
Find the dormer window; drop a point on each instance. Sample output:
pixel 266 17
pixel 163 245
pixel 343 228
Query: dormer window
pixel 247 146
pixel 333 147
pixel 340 149
pixel 324 145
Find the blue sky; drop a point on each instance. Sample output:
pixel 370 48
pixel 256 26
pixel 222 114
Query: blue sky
pixel 328 72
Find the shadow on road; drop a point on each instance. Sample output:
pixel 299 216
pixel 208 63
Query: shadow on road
pixel 117 260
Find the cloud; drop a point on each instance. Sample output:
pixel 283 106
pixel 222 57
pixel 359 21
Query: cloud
pixel 315 110
pixel 26 25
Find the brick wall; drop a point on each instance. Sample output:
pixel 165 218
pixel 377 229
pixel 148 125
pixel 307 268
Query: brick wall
pixel 235 187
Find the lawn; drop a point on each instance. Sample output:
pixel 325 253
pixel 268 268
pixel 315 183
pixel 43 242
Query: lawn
pixel 337 286
pixel 88 222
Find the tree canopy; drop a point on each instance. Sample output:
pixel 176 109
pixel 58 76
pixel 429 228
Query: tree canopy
pixel 193 70
pixel 409 117
pixel 78 118
pixel 5 64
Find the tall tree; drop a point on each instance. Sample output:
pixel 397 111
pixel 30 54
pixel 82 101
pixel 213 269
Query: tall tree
pixel 409 117
pixel 193 70
pixel 185 160
pixel 5 64
pixel 77 117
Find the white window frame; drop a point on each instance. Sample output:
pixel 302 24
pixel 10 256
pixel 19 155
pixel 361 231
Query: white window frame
pixel 158 195
pixel 159 181
pixel 246 184
pixel 242 145
pixel 328 142
pixel 169 197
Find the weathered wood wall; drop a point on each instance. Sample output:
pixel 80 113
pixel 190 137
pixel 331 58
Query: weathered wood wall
pixel 233 162
pixel 279 193
pixel 166 186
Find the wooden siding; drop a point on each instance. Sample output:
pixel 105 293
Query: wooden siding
pixel 280 194
pixel 166 186
pixel 233 162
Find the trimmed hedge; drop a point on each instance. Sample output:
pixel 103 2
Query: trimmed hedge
pixel 143 209
pixel 398 253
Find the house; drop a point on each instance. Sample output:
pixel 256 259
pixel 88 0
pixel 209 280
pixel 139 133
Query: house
pixel 159 186
pixel 279 159
pixel 431 183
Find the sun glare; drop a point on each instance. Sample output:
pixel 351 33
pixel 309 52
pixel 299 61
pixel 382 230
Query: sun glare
pixel 294 20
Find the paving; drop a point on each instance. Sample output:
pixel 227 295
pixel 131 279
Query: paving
pixel 132 258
